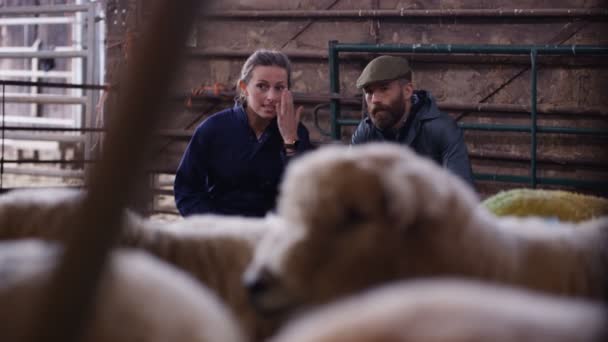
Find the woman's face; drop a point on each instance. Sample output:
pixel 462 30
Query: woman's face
pixel 264 90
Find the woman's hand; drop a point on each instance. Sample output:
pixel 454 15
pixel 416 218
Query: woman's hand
pixel 287 117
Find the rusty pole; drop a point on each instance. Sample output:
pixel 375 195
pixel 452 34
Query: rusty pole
pixel 68 304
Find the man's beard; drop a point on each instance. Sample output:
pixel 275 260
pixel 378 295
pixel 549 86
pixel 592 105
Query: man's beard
pixel 387 116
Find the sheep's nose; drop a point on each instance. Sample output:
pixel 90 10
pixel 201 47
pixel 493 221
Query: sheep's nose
pixel 257 283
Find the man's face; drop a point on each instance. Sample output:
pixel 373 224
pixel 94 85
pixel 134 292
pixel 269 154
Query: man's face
pixel 387 102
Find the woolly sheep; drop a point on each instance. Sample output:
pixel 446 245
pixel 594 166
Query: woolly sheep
pixel 451 311
pixel 140 299
pixel 370 214
pixel 214 249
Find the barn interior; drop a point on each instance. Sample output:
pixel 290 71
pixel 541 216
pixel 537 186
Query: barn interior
pixel 524 81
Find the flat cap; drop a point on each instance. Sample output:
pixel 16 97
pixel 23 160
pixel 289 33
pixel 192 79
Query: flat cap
pixel 383 68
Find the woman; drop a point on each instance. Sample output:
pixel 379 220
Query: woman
pixel 235 159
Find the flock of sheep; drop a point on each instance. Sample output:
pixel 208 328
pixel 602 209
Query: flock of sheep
pixel 370 243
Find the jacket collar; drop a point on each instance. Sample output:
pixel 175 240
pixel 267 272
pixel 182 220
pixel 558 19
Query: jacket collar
pixel 241 115
pixel 424 109
pixel 424 106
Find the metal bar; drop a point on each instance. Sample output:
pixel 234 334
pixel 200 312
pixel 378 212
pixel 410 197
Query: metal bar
pixel 592 163
pixel 2 131
pixel 44 137
pixel 35 63
pixel 49 161
pixel 43 99
pixel 507 128
pixel 316 98
pixel 39 73
pixel 533 128
pixel 60 9
pixel 171 133
pixel 77 63
pixel 63 187
pixel 36 21
pixel 66 308
pixel 89 108
pixel 54 85
pixel 36 120
pixel 569 50
pixel 527 129
pixel 33 48
pixel 43 172
pixel 334 88
pixel 364 14
pixel 572 130
pixel 418 58
pixel 600 186
pixel 594 185
pixel 31 145
pixel 515 108
pixel 54 129
pixel 41 54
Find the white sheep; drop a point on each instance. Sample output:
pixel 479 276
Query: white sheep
pixel 450 311
pixel 367 215
pixel 39 213
pixel 139 299
pixel 214 249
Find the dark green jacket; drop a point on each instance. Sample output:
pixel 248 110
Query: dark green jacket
pixel 429 132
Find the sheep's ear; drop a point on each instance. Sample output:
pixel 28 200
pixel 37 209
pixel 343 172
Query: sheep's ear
pixel 431 195
pixel 368 208
pixel 402 200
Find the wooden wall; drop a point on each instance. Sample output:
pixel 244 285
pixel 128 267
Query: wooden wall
pixel 575 86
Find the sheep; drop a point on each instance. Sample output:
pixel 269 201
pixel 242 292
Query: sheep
pixel 214 249
pixel 139 299
pixel 450 311
pixel 39 213
pixel 367 215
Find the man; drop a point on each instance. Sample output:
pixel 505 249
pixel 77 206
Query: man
pixel 398 113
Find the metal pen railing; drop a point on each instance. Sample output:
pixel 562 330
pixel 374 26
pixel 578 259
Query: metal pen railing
pixel 82 53
pixel 532 50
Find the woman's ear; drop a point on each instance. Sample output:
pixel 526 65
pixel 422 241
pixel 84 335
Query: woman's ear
pixel 243 87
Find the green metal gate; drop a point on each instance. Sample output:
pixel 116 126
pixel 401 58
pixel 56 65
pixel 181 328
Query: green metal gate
pixel 532 50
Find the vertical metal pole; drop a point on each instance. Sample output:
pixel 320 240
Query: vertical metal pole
pixel 534 76
pixel 100 30
pixel 94 93
pixel 3 131
pixel 90 78
pixel 78 112
pixel 334 85
pixel 34 67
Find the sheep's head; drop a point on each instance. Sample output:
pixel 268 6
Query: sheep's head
pixel 355 217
